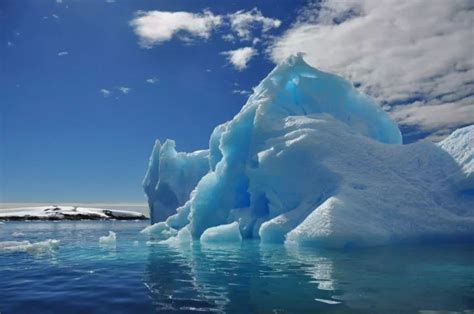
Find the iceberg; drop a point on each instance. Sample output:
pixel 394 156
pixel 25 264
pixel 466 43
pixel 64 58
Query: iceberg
pixel 310 161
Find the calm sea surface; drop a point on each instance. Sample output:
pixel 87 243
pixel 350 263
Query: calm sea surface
pixel 83 276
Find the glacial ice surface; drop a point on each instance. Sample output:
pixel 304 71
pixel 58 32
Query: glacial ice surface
pixel 171 177
pixel 310 161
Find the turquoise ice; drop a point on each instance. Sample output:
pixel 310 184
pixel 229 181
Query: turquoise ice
pixel 311 161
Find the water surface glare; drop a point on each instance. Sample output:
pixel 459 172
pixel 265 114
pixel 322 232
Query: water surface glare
pixel 83 276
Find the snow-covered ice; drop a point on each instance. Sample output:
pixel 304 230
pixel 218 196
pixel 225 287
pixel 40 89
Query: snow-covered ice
pixel 66 213
pixel 311 161
pixel 460 145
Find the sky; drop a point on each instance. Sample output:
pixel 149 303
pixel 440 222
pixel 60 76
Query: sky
pixel 87 86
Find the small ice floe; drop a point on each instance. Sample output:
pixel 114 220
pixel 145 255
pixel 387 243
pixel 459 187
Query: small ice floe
pixel 46 246
pixel 110 239
pixel 183 237
pixel 159 230
pixel 332 302
pixel 229 233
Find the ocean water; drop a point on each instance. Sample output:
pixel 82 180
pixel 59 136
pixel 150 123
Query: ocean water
pixel 83 276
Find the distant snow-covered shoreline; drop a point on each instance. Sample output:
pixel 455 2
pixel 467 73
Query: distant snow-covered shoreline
pixel 67 213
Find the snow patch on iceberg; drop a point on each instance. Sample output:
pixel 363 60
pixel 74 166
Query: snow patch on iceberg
pixel 460 145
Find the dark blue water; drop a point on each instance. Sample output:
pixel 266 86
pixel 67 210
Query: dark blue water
pixel 81 276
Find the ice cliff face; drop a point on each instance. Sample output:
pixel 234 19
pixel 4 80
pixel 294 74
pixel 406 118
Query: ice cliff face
pixel 309 160
pixel 171 177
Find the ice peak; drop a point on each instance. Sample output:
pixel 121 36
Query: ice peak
pixel 295 88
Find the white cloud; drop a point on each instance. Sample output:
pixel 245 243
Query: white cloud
pixel 155 27
pixel 436 117
pixel 228 37
pixel 105 92
pixel 9 43
pixel 152 80
pixel 241 92
pixel 418 53
pixel 55 16
pixel 242 22
pixel 239 58
pixel 124 89
pixel 63 53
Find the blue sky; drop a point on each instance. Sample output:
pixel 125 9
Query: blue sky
pixel 87 86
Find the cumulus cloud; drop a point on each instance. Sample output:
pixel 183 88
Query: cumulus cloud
pixel 242 22
pixel 63 53
pixel 105 92
pixel 415 57
pixel 155 27
pixel 240 58
pixel 124 89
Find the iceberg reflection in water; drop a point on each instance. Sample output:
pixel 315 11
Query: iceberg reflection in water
pixel 82 276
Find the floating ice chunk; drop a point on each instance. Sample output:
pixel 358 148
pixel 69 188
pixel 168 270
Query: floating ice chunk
pixel 6 245
pixel 327 301
pixel 229 233
pixel 159 230
pixel 110 239
pixel 46 246
pixel 182 238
